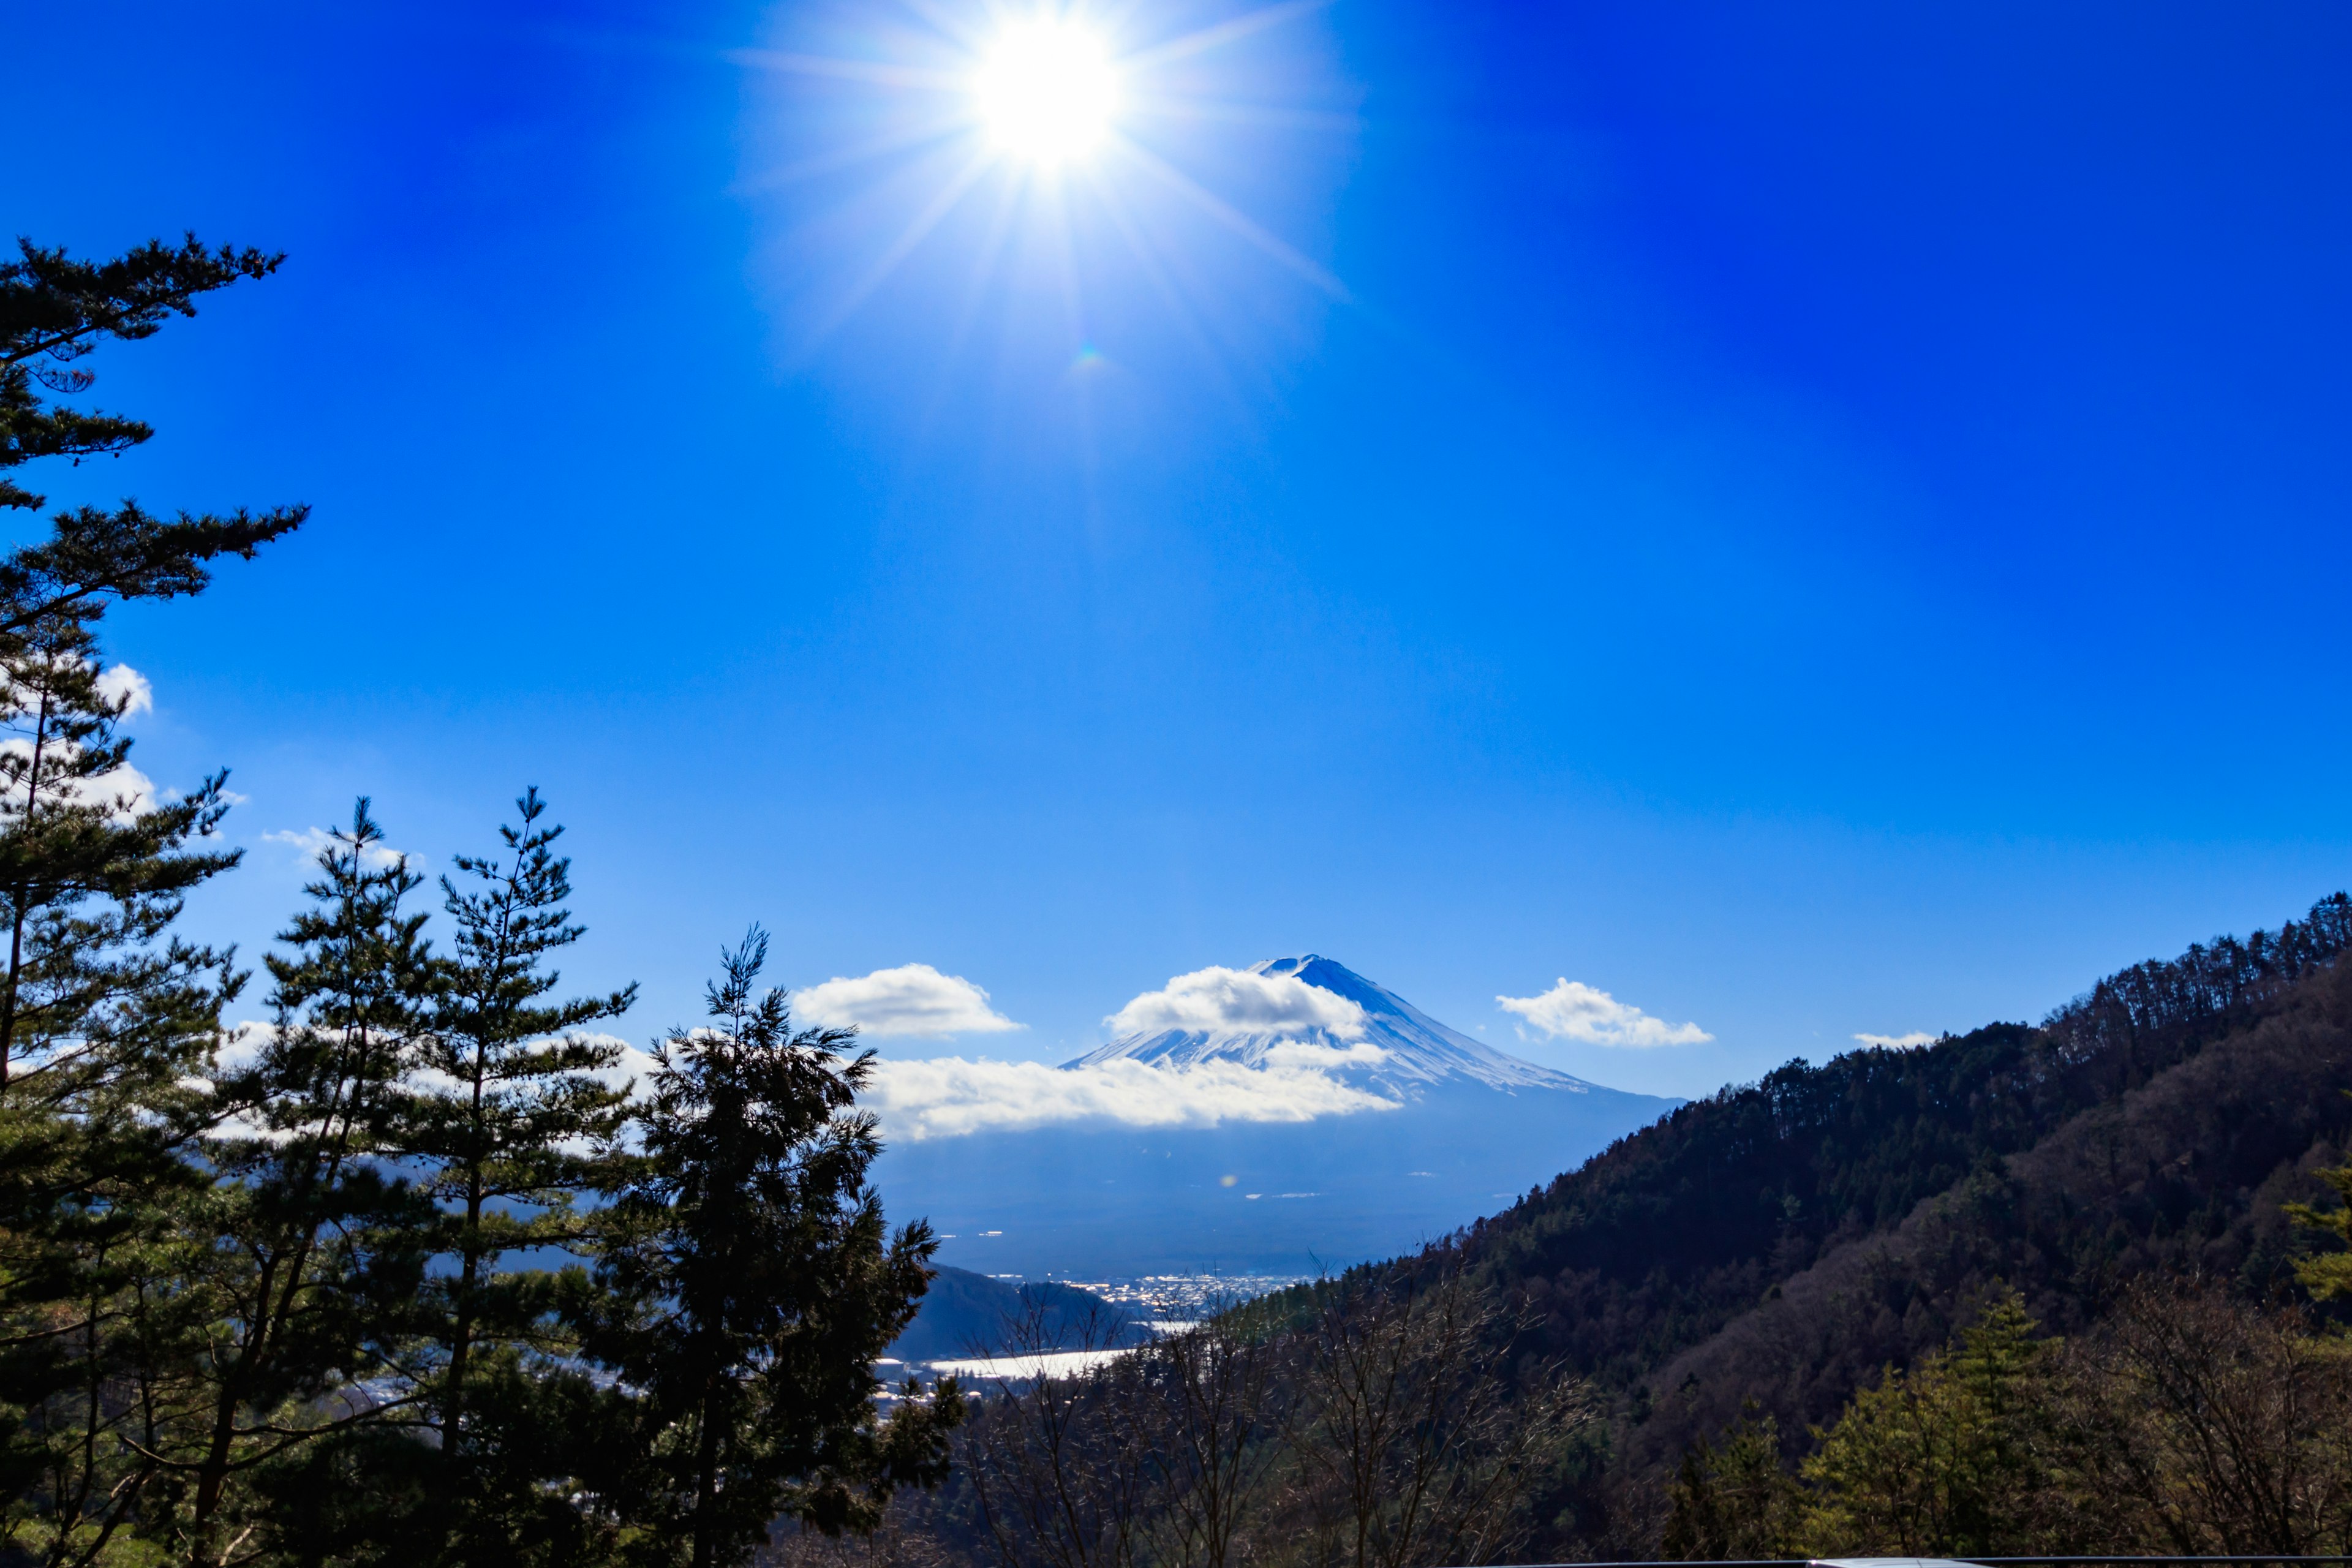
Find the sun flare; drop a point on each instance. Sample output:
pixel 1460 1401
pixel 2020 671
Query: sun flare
pixel 1047 91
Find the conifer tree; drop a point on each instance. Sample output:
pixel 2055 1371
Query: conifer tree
pixel 105 1017
pixel 54 311
pixel 1941 1460
pixel 1733 1500
pixel 514 1124
pixel 2328 1275
pixel 752 1285
pixel 313 1264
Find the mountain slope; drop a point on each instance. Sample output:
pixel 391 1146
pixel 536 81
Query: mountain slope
pixel 2185 1172
pixel 1661 1240
pixel 1779 1241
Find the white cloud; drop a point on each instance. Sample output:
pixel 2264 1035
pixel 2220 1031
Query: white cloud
pixel 125 685
pixel 1313 1057
pixel 950 1096
pixel 913 999
pixel 312 842
pixel 1233 1001
pixel 127 791
pixel 1574 1011
pixel 1899 1042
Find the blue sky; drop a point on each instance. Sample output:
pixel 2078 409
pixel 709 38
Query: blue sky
pixel 1812 520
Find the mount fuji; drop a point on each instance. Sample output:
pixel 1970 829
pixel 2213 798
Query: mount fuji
pixel 1439 1129
pixel 1416 1053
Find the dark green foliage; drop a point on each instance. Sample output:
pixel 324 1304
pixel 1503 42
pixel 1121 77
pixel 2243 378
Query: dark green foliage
pixel 1732 1499
pixel 54 311
pixel 314 1273
pixel 1951 1457
pixel 752 1285
pixel 107 1020
pixel 2328 1275
pixel 93 875
pixel 262 1312
pixel 510 1129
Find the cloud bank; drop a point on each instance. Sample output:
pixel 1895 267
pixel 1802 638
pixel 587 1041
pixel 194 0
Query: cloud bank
pixel 913 999
pixel 1574 1011
pixel 1220 1001
pixel 950 1097
pixel 1899 1042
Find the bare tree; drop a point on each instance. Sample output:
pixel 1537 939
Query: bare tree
pixel 2206 1425
pixel 1054 1456
pixel 1412 1444
pixel 1212 1403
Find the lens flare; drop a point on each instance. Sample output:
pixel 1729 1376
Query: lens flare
pixel 1047 91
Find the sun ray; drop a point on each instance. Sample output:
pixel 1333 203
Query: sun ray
pixel 940 205
pixel 1189 321
pixel 1210 112
pixel 941 128
pixel 951 24
pixel 993 245
pixel 1221 34
pixel 1192 190
pixel 875 72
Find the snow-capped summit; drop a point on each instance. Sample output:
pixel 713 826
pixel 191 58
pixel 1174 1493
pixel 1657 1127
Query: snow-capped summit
pixel 1412 1051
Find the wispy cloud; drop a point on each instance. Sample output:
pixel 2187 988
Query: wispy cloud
pixel 950 1097
pixel 311 842
pixel 914 999
pixel 1233 1001
pixel 1574 1011
pixel 1916 1038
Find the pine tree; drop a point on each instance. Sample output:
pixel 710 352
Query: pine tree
pixel 760 1287
pixel 54 311
pixel 2328 1275
pixel 105 1019
pixel 312 1262
pixel 512 1129
pixel 1941 1460
pixel 1733 1500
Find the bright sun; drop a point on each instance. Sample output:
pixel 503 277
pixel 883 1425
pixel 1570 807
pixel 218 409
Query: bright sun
pixel 1047 91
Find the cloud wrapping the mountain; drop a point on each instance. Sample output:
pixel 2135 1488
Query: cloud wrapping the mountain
pixel 1574 1011
pixel 1219 1001
pixel 1898 1042
pixel 914 1000
pixel 949 1097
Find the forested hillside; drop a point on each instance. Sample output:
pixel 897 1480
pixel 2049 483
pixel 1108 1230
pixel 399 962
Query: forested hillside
pixel 1773 1246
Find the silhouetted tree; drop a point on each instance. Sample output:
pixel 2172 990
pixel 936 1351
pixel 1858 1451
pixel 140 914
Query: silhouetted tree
pixel 314 1256
pixel 753 1286
pixel 510 1120
pixel 54 311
